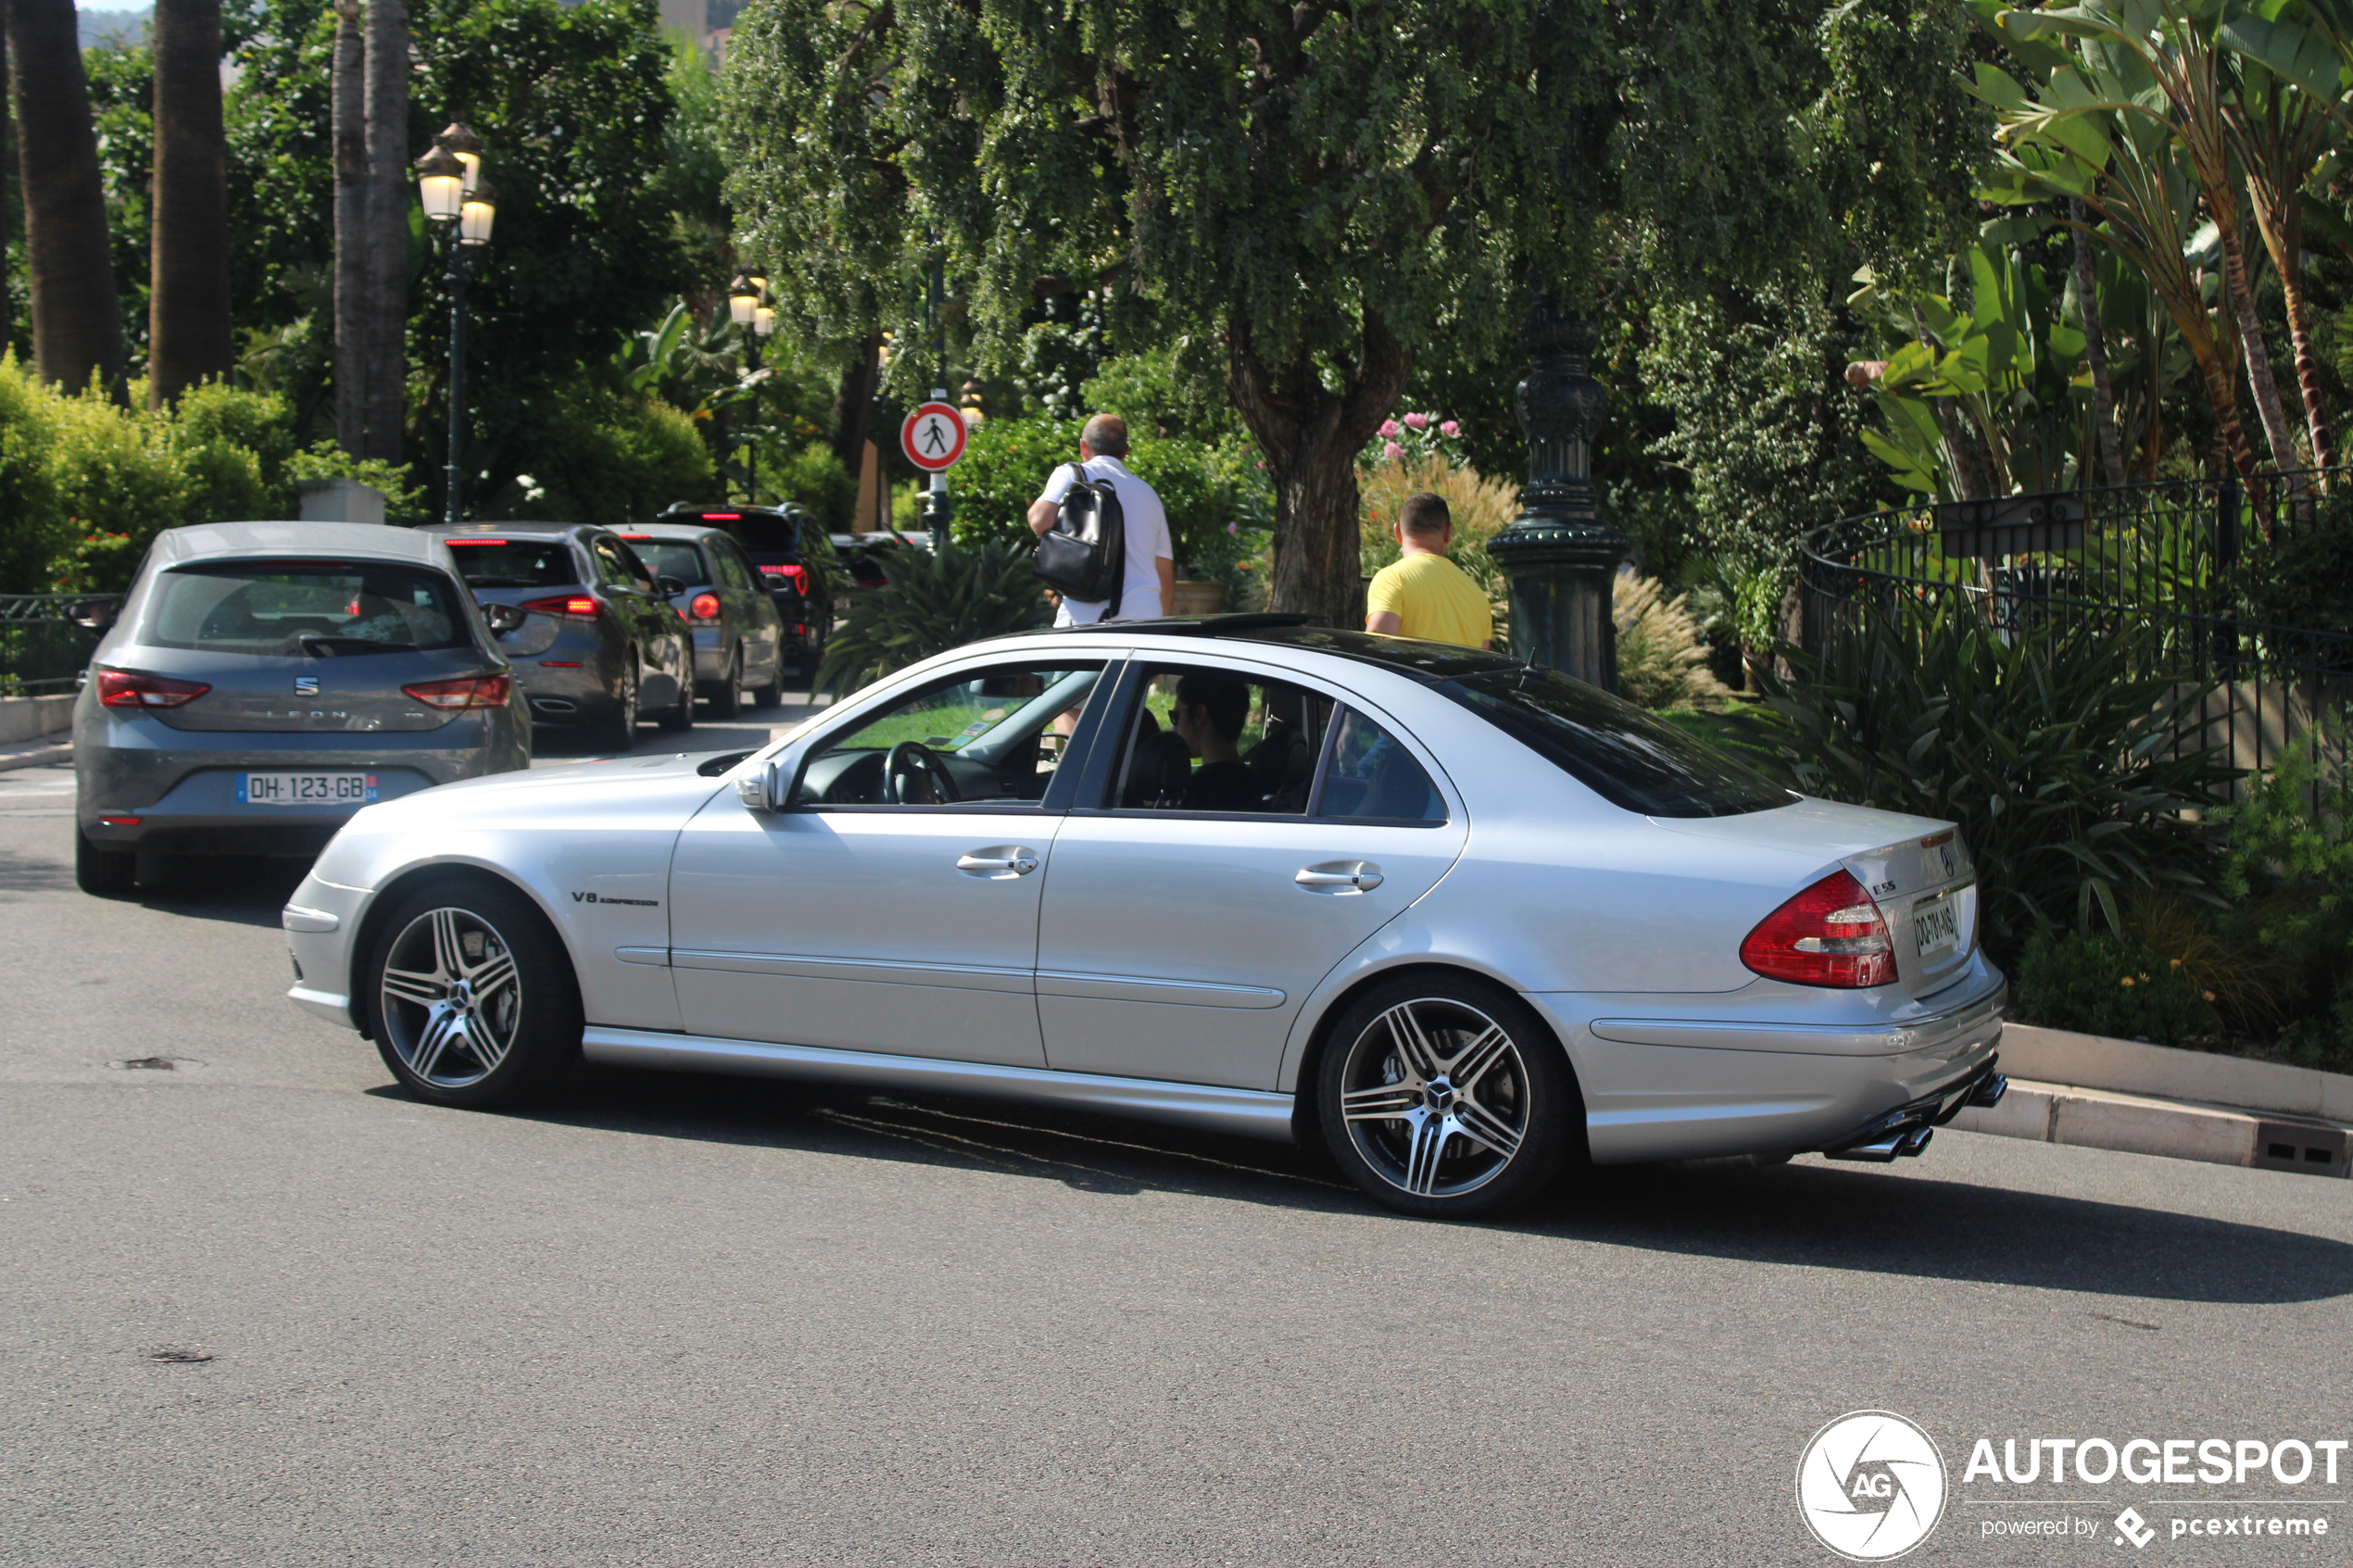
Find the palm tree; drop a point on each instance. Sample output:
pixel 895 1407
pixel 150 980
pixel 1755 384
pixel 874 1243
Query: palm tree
pixel 387 224
pixel 188 334
pixel 347 111
pixel 76 330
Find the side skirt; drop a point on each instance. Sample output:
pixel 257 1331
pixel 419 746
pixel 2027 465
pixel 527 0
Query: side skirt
pixel 1251 1113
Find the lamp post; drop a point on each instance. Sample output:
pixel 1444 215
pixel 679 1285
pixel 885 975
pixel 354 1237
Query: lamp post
pixel 749 308
pixel 459 202
pixel 1560 553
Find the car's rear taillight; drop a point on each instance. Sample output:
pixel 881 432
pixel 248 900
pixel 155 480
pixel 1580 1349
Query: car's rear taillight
pixel 705 607
pixel 122 688
pixel 796 575
pixel 573 607
pixel 470 691
pixel 1829 934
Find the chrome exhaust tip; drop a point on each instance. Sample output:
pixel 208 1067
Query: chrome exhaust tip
pixel 1881 1153
pixel 1911 1143
pixel 1989 1093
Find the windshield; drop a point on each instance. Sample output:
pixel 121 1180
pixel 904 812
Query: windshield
pixel 515 564
pixel 1629 758
pixel 304 606
pixel 671 559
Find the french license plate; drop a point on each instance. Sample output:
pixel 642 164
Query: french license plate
pixel 1936 925
pixel 305 789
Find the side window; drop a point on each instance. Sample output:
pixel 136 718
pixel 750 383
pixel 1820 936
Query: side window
pixel 732 571
pixel 639 574
pixel 1368 776
pixel 992 737
pixel 612 567
pixel 1204 739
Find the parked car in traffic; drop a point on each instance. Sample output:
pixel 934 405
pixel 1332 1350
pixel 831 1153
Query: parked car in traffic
pixel 789 551
pixel 1462 921
pixel 599 642
pixel 262 681
pixel 739 637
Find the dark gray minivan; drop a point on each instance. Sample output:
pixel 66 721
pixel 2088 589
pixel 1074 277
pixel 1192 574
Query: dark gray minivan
pixel 264 680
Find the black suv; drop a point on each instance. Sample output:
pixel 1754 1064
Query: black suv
pixel 790 551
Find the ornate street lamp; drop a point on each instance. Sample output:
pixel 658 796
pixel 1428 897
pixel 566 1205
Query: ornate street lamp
pixel 460 203
pixel 747 306
pixel 1560 553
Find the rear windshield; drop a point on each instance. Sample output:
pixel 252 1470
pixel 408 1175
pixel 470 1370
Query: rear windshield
pixel 1629 758
pixel 304 607
pixel 767 535
pixel 516 563
pixel 669 559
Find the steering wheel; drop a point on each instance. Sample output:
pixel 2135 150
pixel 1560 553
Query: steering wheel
pixel 914 775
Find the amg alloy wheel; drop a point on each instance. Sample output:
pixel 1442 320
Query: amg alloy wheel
pixel 472 1000
pixel 1444 1101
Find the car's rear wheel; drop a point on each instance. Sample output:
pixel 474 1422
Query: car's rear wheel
pixel 681 712
pixel 773 693
pixel 1446 1098
pixel 469 995
pixel 619 731
pixel 101 872
pixel 728 700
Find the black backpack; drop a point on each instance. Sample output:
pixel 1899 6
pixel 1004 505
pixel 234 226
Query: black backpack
pixel 1085 555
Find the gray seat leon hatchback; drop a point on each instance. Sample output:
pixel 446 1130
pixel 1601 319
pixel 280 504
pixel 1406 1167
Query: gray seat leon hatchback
pixel 264 680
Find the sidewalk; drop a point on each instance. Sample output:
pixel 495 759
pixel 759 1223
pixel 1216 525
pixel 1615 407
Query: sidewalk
pixel 2140 1099
pixel 42 753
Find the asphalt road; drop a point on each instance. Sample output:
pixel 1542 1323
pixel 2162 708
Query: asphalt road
pixel 256 1306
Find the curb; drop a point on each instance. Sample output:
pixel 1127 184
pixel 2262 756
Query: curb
pixel 2135 1067
pixel 2215 1135
pixel 34 757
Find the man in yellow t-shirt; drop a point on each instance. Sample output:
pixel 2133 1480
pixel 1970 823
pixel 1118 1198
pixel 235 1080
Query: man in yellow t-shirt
pixel 1422 593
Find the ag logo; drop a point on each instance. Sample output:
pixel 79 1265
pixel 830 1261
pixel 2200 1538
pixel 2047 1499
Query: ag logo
pixel 1871 1485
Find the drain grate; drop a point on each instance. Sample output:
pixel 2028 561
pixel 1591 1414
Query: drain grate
pixel 2294 1146
pixel 155 1064
pixel 179 1355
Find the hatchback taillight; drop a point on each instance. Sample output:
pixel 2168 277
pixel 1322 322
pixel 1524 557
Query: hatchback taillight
pixel 705 607
pixel 122 688
pixel 798 576
pixel 573 606
pixel 1829 934
pixel 472 690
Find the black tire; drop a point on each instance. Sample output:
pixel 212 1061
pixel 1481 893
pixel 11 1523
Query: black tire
pixel 728 700
pixel 102 872
pixel 618 731
pixel 681 716
pixel 512 1038
pixel 1421 1142
pixel 771 695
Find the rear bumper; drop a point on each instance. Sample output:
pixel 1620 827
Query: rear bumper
pixel 1660 1087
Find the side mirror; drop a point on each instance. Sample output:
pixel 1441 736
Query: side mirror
pixel 668 588
pixel 93 615
pixel 503 618
pixel 768 787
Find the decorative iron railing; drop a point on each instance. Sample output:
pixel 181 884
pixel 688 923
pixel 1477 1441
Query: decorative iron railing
pixel 42 646
pixel 2244 583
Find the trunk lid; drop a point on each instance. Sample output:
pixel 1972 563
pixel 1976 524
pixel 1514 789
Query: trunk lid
pixel 1916 869
pixel 351 692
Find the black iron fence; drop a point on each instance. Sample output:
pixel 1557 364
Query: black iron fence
pixel 42 646
pixel 2247 585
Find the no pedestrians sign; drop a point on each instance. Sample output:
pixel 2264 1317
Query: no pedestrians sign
pixel 933 437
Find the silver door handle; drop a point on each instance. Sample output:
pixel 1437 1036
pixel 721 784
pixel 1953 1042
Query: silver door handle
pixel 1020 865
pixel 1363 878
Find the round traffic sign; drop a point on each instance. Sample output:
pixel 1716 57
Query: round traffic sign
pixel 933 437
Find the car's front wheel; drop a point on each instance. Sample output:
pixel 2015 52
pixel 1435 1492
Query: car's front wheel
pixel 470 995
pixel 1446 1098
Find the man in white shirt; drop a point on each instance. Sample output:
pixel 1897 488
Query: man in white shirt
pixel 1150 584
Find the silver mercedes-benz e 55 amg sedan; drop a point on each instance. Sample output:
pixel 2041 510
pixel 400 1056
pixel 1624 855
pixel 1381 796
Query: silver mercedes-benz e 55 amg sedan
pixel 264 680
pixel 1461 919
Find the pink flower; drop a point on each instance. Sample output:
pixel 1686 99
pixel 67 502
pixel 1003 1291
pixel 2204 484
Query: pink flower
pixel 1450 428
pixel 1392 451
pixel 1389 428
pixel 1416 421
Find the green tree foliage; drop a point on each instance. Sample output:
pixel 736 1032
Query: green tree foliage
pixel 2068 773
pixel 935 600
pixel 1306 198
